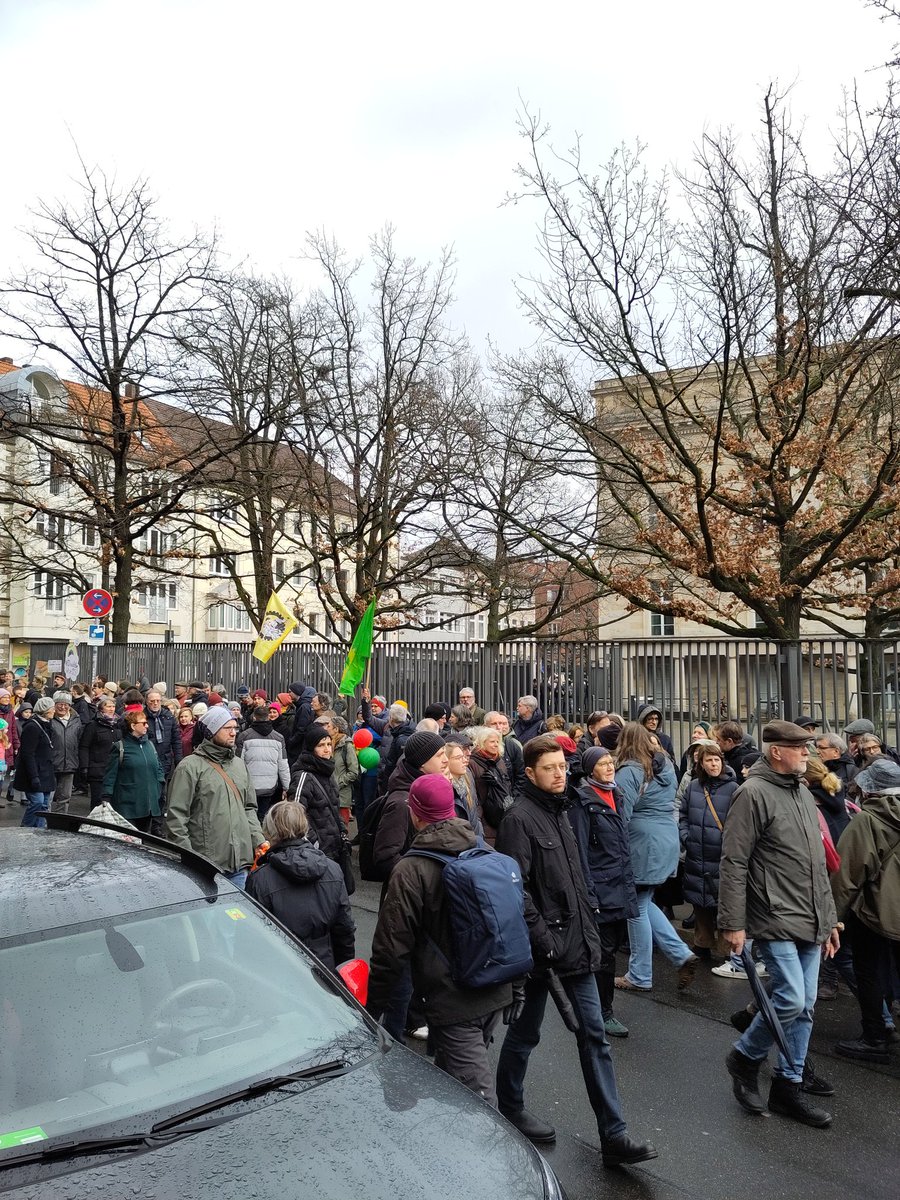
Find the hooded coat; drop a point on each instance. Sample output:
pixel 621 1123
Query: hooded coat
pixel 701 836
pixel 414 927
pixel 304 890
pixel 648 811
pixel 772 878
pixel 96 746
pixel 34 767
pixel 312 783
pixel 663 738
pixel 208 814
pixel 602 838
pixel 265 757
pixel 303 718
pixel 868 879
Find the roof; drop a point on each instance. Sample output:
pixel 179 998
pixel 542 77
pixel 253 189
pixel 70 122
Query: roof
pixel 51 879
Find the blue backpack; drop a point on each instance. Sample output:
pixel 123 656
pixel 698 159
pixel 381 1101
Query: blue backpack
pixel 489 937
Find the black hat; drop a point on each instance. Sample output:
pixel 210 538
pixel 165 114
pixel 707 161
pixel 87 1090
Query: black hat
pixel 421 746
pixel 785 733
pixel 315 733
pixel 805 721
pixel 609 736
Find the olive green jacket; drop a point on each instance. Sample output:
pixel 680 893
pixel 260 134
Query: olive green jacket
pixel 868 880
pixel 772 879
pixel 206 815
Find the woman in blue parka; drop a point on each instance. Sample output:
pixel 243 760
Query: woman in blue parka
pixel 704 807
pixel 646 779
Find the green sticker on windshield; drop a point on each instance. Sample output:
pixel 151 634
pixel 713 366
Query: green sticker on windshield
pixel 236 914
pixel 21 1137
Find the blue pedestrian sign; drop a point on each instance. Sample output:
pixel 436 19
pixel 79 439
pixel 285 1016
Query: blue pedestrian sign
pixel 96 635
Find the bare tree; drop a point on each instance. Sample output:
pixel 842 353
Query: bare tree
pixel 108 289
pixel 730 418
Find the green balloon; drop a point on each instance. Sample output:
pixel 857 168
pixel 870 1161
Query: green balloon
pixel 368 758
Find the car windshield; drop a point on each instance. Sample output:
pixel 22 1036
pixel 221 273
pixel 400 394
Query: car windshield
pixel 108 1021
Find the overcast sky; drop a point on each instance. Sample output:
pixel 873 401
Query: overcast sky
pixel 271 117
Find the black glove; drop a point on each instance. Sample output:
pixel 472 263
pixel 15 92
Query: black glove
pixel 513 1010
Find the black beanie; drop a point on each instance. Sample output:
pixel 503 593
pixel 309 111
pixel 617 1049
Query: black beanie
pixel 420 747
pixel 314 734
pixel 609 736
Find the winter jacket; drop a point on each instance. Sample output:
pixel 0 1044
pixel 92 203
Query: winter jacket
pixel 304 890
pixel 346 770
pixel 524 731
pixel 868 880
pixel 84 709
pixel 377 724
pixel 833 808
pixel 491 785
pixel 466 802
pixel 12 732
pixel 34 769
pixel 537 834
pixel 303 718
pixel 186 733
pixel 515 763
pixel 772 879
pixel 701 837
pixel 602 838
pixel 163 731
pixel 96 746
pixel 210 816
pixel 66 736
pixel 845 769
pixel 395 829
pixel 265 757
pixel 663 738
pixel 393 741
pixel 647 810
pixel 737 756
pixel 134 778
pixel 414 927
pixel 319 796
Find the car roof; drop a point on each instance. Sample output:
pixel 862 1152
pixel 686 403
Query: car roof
pixel 50 878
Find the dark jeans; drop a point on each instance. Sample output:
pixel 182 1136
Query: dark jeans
pixel 593 1051
pixel 872 956
pixel 265 800
pixel 612 938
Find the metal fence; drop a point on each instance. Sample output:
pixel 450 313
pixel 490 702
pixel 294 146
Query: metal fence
pixel 750 680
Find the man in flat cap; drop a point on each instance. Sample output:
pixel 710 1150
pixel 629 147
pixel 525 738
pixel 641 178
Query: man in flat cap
pixel 773 887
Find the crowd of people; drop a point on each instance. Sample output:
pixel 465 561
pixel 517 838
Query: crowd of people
pixel 581 838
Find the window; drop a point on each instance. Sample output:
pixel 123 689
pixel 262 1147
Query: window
pixel 229 617
pixel 155 543
pixel 662 625
pixel 51 589
pixel 220 564
pixel 313 622
pixel 58 474
pixel 280 569
pixel 89 537
pixel 159 599
pixel 53 527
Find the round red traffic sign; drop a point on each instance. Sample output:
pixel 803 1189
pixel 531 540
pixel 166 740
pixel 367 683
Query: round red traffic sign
pixel 97 602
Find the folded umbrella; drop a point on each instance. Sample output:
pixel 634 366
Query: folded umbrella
pixel 766 1007
pixel 562 1002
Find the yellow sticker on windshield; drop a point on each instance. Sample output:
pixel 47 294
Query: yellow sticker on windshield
pixel 21 1137
pixel 236 914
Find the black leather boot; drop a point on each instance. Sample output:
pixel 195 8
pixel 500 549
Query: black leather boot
pixel 529 1125
pixel 623 1151
pixel 788 1100
pixel 744 1074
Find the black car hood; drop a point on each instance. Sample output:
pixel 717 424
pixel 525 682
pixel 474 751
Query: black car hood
pixel 395 1128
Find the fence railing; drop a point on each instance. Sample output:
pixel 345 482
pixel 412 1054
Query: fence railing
pixel 750 680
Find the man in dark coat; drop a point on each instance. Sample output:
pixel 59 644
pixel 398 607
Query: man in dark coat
pixel 414 929
pixel 738 748
pixel 773 887
pixel 529 721
pixel 35 774
pixel 564 940
pixel 651 718
pixel 163 732
pixel 303 718
pixel 834 754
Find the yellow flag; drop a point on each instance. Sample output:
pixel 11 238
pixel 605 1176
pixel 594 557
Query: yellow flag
pixel 276 625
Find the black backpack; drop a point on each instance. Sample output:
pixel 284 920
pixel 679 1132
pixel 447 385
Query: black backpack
pixel 368 831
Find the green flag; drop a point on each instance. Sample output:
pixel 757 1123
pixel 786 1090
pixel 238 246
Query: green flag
pixel 360 653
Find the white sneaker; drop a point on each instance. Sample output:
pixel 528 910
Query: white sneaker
pixel 727 970
pixel 420 1034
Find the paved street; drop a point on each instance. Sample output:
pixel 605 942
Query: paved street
pixel 676 1092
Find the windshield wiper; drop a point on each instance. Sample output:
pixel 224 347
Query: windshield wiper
pixel 176 1127
pixel 325 1070
pixel 100 1145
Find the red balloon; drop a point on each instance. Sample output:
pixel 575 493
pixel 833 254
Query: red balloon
pixel 362 738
